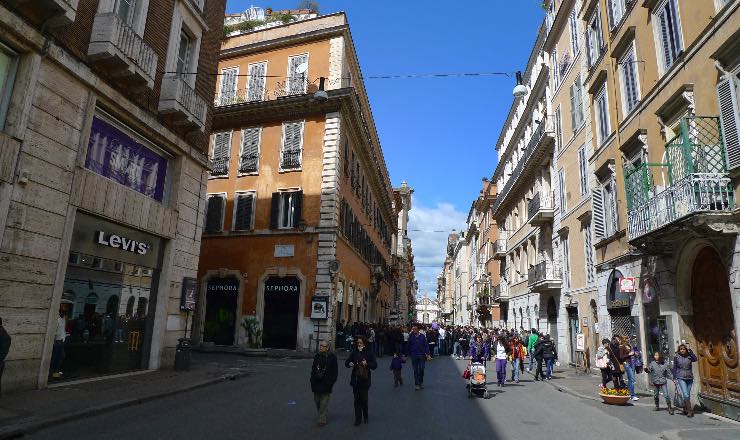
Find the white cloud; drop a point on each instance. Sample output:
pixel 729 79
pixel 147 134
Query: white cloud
pixel 428 229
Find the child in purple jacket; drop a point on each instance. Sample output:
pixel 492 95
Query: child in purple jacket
pixel 396 366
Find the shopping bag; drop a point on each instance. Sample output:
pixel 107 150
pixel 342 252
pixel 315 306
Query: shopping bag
pixel 677 396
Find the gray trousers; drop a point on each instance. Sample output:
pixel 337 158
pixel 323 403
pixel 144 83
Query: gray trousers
pixel 322 405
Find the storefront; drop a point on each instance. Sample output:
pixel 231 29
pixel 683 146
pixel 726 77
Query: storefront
pixel 619 306
pixel 108 300
pixel 281 312
pixel 222 295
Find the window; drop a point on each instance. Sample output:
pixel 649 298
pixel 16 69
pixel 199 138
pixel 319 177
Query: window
pixel 601 111
pixel 256 80
pixel 221 151
pixel 286 209
pixel 215 213
pixel 576 103
pixel 728 93
pixel 561 190
pixel 573 31
pixel 290 153
pixel 228 93
pixel 594 40
pixel 630 87
pixel 8 67
pixel 566 261
pixel 244 211
pixel 555 69
pixel 183 54
pixel 297 74
pixel 125 10
pixel 589 252
pixel 582 169
pixel 604 203
pixel 250 151
pixel 668 32
pixel 558 128
pixel 616 12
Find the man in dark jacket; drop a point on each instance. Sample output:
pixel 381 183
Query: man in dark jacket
pixel 549 354
pixel 324 373
pixel 4 349
pixel 418 350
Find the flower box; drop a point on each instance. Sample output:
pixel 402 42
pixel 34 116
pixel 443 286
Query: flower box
pixel 614 400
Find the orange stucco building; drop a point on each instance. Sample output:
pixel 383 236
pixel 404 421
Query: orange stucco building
pixel 300 217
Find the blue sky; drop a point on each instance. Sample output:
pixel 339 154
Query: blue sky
pixel 438 134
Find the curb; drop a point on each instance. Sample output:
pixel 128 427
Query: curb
pixel 31 426
pixel 261 353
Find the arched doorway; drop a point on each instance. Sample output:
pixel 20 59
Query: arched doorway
pixel 280 327
pixel 552 319
pixel 714 325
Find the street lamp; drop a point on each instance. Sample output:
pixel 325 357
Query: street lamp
pixel 520 90
pixel 321 94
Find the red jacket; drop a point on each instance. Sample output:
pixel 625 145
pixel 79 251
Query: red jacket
pixel 517 351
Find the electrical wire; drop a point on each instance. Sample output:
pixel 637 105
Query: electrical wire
pixel 396 76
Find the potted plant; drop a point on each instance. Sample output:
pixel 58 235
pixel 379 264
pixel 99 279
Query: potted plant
pixel 251 326
pixel 614 396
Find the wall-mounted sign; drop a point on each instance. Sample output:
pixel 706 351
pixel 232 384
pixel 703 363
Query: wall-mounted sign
pixel 284 250
pixel 222 286
pixel 627 285
pixel 284 286
pixel 319 307
pixel 580 342
pixel 188 294
pixel 118 242
pixel 114 154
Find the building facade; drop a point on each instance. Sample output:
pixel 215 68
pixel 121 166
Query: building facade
pixel 487 311
pixel 427 311
pixel 405 284
pixel 300 205
pixel 104 123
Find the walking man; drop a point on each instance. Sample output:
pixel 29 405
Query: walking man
pixel 324 373
pixel 4 349
pixel 418 350
pixel 531 343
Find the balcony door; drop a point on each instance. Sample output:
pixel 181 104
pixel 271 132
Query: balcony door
pixel 716 341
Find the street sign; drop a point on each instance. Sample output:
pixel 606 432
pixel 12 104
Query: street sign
pixel 627 285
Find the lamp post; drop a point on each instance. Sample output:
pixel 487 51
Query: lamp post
pixel 520 90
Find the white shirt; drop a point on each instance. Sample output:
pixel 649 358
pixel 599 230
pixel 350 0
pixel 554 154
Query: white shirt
pixel 500 351
pixel 405 336
pixel 61 331
pixel 442 333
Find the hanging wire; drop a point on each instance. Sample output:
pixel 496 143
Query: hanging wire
pixel 398 76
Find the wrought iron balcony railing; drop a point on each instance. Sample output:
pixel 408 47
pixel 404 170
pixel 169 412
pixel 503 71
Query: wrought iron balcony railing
pixel 290 160
pixel 692 179
pixel 115 45
pixel 249 163
pixel 259 92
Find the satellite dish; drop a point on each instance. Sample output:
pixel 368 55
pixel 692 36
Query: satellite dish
pixel 301 68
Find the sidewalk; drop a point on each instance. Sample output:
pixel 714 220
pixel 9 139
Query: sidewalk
pixel 28 411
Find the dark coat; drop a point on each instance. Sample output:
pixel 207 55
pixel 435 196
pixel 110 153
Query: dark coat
pixel 4 344
pixel 545 349
pixel 324 372
pixel 356 357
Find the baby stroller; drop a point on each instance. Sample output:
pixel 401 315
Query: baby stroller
pixel 477 379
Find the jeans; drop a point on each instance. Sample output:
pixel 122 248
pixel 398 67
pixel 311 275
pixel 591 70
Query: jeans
pixel 501 371
pixel 656 394
pixel 531 359
pixel 456 349
pixel 515 370
pixel 57 356
pixel 442 346
pixel 322 405
pixel 418 363
pixel 549 362
pixel 360 393
pixel 685 386
pixel 630 371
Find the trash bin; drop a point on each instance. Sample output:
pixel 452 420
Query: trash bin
pixel 182 354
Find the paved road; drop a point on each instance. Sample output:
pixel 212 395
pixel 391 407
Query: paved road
pixel 274 402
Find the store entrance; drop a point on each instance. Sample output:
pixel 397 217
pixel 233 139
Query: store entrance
pixel 281 299
pixel 221 302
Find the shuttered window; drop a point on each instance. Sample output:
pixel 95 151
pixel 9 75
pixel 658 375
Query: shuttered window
pixel 582 169
pixel 250 151
pixel 561 191
pixel 589 253
pixel 573 20
pixel 297 74
pixel 257 78
pixel 668 31
pixel 602 116
pixel 594 40
pixel 597 207
pixel 616 12
pixel 611 221
pixel 287 207
pixel 630 88
pixel 290 154
pixel 559 128
pixel 564 246
pixel 555 69
pixel 221 151
pixel 8 67
pixel 728 93
pixel 244 211
pixel 576 103
pixel 215 213
pixel 227 95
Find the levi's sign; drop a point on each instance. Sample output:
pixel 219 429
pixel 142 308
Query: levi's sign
pixel 117 242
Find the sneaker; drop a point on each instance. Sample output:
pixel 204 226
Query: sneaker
pixel 417 387
pixel 635 398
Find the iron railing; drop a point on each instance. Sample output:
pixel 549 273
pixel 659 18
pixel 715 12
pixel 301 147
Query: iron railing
pixel 248 163
pixel 691 179
pixel 540 201
pixel 543 271
pixel 543 129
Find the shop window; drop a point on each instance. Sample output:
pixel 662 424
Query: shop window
pixel 8 67
pixel 286 209
pixel 74 258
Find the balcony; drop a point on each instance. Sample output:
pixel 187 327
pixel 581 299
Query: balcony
pixel 179 99
pixel 500 292
pixel 537 149
pixel 541 210
pixel 544 277
pixel 54 13
pixel 498 249
pixel 693 180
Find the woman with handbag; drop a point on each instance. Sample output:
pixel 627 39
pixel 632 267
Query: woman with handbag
pixel 602 362
pixel 617 363
pixel 684 376
pixel 361 361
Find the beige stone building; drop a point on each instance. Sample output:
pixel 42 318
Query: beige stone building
pixel 104 120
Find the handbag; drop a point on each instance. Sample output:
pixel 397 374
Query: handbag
pixel 362 372
pixel 466 373
pixel 601 363
pixel 621 365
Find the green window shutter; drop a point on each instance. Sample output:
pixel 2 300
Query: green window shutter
pixel 728 93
